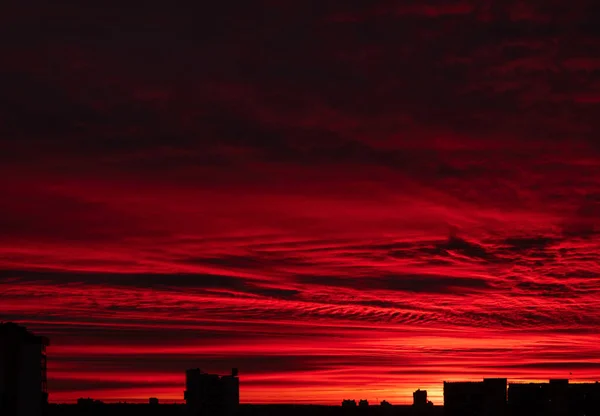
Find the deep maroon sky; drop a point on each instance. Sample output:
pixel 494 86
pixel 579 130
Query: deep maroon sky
pixel 345 199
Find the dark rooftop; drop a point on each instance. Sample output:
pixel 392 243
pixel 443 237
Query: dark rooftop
pixel 14 330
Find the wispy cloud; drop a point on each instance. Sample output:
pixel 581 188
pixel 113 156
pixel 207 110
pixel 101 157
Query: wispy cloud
pixel 326 197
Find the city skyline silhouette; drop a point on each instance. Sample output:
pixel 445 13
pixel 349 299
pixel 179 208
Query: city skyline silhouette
pixel 346 199
pixel 24 391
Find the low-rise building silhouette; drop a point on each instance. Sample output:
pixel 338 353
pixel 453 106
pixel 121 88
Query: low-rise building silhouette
pixel 211 394
pixel 421 406
pixel 363 403
pixel 559 397
pixel 82 401
pixel 475 398
pixel 348 403
pixel 153 401
pixel 23 389
pixel 584 399
pixel 462 398
pixel 87 402
pixel 420 398
pixel 494 396
pixel 555 398
pixel 529 399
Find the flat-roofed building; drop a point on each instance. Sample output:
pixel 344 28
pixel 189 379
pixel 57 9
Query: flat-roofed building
pixel 23 389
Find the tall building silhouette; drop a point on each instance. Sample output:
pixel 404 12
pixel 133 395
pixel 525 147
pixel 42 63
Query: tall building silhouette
pixel 23 389
pixel 211 394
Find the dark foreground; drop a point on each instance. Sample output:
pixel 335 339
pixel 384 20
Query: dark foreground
pixel 244 410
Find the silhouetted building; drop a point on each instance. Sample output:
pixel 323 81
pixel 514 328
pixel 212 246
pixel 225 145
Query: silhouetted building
pixel 363 403
pixel 385 403
pixel 88 403
pixel 153 401
pixel 559 397
pixel 584 399
pixel 230 385
pixel 23 390
pixel 420 398
pixel 211 394
pixel 530 399
pixel 348 403
pixel 555 398
pixel 480 398
pixel 494 396
pixel 462 398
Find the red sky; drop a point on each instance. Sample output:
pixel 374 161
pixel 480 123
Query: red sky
pixel 344 199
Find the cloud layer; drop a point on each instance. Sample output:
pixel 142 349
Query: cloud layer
pixel 343 199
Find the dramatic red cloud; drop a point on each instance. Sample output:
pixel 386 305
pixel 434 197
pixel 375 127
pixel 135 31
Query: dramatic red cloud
pixel 342 201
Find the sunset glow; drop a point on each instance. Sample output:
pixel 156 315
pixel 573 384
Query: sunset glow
pixel 343 200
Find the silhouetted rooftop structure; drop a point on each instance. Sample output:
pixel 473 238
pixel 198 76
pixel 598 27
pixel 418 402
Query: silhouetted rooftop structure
pixel 88 402
pixel 16 331
pixel 475 398
pixel 144 409
pixel 211 394
pixel 557 397
pixel 23 389
pixel 420 398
